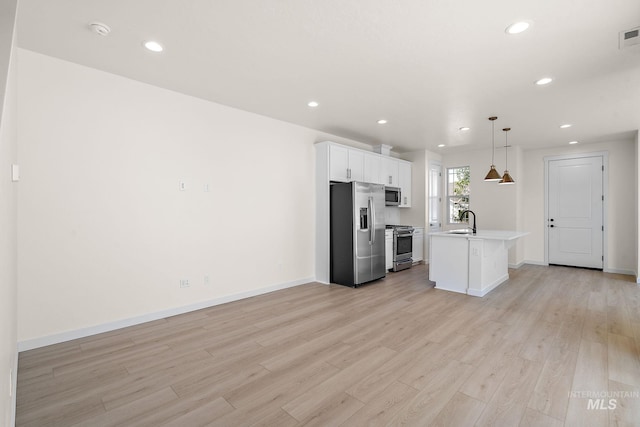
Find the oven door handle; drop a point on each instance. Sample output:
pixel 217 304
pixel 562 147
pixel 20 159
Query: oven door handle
pixel 405 234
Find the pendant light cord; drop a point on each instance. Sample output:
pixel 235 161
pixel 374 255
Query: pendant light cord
pixel 493 145
pixel 506 147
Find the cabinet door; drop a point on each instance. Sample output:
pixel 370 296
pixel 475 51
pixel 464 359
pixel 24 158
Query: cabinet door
pixel 388 250
pixel 390 169
pixel 404 179
pixel 418 244
pixel 373 169
pixel 355 169
pixel 338 163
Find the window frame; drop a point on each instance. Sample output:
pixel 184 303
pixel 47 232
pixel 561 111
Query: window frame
pixel 450 203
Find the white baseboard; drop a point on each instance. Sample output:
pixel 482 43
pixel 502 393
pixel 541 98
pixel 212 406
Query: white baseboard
pixel 484 291
pixel 31 344
pixel 14 388
pixel 620 271
pixel 528 261
pixel 518 265
pixel 444 288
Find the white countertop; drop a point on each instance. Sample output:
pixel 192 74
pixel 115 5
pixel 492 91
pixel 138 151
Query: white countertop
pixel 484 234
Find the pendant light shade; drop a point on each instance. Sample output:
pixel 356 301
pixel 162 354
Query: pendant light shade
pixel 506 178
pixel 493 174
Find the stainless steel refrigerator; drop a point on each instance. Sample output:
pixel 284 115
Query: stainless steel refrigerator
pixel 357 233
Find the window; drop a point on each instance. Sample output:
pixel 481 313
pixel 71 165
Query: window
pixel 435 196
pixel 458 189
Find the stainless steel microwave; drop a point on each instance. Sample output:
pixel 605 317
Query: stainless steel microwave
pixel 392 196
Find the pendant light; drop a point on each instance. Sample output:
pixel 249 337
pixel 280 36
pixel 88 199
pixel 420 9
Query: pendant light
pixel 506 178
pixel 493 174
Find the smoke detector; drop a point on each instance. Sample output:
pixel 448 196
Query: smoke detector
pixel 629 38
pixel 100 28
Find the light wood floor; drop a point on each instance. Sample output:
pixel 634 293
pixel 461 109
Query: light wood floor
pixel 395 352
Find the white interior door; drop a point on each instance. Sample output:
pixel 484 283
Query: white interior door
pixel 575 212
pixel 435 196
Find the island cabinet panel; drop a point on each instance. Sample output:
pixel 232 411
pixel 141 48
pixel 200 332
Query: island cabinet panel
pixel 488 265
pixel 449 264
pixel 468 263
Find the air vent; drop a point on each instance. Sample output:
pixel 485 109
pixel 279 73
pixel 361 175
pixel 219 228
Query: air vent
pixel 629 38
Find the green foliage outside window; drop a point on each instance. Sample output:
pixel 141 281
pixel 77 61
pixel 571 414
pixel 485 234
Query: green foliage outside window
pixel 458 191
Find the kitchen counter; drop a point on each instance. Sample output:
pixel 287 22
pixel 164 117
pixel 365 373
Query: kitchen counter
pixel 483 234
pixel 472 264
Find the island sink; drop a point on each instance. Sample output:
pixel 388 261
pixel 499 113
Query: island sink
pixel 459 231
pixel 468 263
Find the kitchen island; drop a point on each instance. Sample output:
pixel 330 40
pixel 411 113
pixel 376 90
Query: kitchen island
pixel 473 264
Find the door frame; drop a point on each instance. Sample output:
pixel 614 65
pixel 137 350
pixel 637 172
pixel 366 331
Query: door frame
pixel 605 204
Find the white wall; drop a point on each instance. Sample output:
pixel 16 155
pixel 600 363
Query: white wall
pixel 621 243
pixel 8 241
pixel 105 234
pixel 635 204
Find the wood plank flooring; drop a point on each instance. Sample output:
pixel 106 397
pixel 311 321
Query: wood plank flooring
pixel 540 350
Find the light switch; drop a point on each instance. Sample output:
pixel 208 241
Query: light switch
pixel 15 173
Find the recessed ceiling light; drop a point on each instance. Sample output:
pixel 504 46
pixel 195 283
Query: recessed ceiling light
pixel 573 142
pixel 517 27
pixel 464 128
pixel 100 28
pixel 153 46
pixel 440 145
pixel 544 81
pixel 566 125
pixel 382 122
pixel 312 104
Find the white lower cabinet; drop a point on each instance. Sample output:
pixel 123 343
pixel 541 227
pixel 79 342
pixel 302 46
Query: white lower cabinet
pixel 418 244
pixel 388 249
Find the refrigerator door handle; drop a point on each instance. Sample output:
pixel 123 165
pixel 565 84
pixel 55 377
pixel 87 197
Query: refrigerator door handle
pixel 372 226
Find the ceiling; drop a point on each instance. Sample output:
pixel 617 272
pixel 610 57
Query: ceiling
pixel 428 67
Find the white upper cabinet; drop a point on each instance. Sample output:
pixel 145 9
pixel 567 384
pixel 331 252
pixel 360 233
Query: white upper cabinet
pixel 390 171
pixel 345 164
pixel 404 182
pixel 373 168
pixel 338 163
pixel 356 165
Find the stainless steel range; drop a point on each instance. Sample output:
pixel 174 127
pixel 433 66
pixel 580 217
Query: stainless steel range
pixel 402 246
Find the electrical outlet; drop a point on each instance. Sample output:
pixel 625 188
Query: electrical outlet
pixel 206 188
pixel 207 281
pixel 184 283
pixel 182 186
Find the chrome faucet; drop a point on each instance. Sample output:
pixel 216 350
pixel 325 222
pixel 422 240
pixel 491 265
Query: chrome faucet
pixel 474 218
